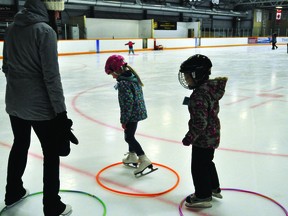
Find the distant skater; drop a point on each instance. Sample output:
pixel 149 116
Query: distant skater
pixel 130 45
pixel 274 41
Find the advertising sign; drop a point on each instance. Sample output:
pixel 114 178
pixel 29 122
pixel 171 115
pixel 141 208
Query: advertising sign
pixel 165 25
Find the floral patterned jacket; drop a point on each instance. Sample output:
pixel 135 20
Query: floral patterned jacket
pixel 131 99
pixel 204 124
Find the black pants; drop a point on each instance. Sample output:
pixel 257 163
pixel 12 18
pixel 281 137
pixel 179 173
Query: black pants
pixel 18 159
pixel 133 144
pixel 274 45
pixel 204 173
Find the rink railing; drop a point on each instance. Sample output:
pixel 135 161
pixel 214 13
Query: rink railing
pixel 75 47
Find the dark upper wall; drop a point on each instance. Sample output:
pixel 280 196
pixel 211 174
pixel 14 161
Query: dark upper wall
pixel 227 14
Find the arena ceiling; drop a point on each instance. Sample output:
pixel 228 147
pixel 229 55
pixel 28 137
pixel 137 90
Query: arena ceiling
pixel 234 8
pixel 231 8
pixel 254 3
pixel 231 4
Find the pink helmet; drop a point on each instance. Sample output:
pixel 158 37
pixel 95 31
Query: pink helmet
pixel 114 63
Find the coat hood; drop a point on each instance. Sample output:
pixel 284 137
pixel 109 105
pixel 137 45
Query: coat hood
pixel 215 87
pixel 129 76
pixel 34 12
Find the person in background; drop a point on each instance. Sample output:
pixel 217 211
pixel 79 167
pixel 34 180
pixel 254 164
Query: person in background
pixel 132 109
pixel 204 127
pixel 274 41
pixel 130 45
pixel 35 99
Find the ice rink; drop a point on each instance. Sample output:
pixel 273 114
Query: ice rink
pixel 252 159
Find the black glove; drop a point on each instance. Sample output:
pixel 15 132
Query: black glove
pixel 64 134
pixel 186 101
pixel 187 140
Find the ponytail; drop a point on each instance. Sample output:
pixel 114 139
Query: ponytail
pixel 134 72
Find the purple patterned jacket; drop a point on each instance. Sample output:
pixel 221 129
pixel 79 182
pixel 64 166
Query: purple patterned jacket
pixel 204 124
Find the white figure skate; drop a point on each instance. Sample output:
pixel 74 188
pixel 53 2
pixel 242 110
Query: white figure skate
pixel 144 163
pixel 131 160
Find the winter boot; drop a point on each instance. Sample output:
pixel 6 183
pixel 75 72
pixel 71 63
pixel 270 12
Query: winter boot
pixel 67 211
pixel 217 193
pixel 9 205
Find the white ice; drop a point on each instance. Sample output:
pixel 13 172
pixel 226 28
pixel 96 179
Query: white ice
pixel 252 158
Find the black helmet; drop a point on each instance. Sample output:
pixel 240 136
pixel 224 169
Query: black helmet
pixel 198 66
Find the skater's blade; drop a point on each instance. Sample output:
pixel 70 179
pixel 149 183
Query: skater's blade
pixel 141 174
pixel 134 165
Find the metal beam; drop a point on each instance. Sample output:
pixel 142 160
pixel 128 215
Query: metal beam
pixel 166 8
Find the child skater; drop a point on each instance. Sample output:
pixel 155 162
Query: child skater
pixel 204 127
pixel 130 45
pixel 132 109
